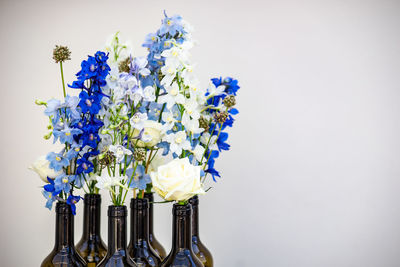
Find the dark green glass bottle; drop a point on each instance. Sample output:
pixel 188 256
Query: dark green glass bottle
pixel 91 247
pixel 155 244
pixel 64 254
pixel 139 248
pixel 116 252
pixel 182 253
pixel 198 247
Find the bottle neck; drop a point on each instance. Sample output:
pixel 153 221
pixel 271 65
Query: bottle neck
pixel 91 216
pixel 194 201
pixel 150 198
pixel 64 227
pixel 139 220
pixel 116 229
pixel 182 227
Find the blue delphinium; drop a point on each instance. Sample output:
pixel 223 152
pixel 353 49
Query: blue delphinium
pixel 222 110
pixel 72 200
pixel 139 179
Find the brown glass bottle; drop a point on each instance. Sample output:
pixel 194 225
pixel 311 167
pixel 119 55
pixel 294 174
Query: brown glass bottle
pixel 139 248
pixel 91 247
pixel 198 247
pixel 116 252
pixel 182 253
pixel 155 244
pixel 64 254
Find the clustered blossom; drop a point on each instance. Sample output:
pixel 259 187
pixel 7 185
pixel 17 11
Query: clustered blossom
pixel 133 114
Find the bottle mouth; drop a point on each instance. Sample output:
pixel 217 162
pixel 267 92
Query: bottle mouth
pixel 63 208
pixel 139 203
pixel 117 211
pixel 194 201
pixel 149 196
pixel 182 210
pixel 92 199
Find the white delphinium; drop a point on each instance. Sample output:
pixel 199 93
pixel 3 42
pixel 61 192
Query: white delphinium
pixel 178 142
pixel 191 125
pixel 173 96
pixel 169 119
pixel 192 108
pixel 106 181
pixel 138 119
pixel 209 140
pixel 119 152
pixel 149 94
pixel 198 152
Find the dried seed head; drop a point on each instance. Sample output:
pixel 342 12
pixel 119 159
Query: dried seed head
pixel 229 101
pixel 220 117
pixel 61 54
pixel 107 158
pixel 139 154
pixel 204 123
pixel 125 65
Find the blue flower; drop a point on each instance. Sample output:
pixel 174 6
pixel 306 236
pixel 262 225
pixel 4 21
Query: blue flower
pixel 172 25
pixel 73 151
pixel 53 105
pixel 84 166
pixel 222 145
pixel 89 103
pixel 211 162
pixel 57 161
pixel 72 200
pixel 50 193
pixel 66 135
pixel 63 182
pixel 139 179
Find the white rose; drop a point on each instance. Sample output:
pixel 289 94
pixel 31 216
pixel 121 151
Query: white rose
pixel 152 134
pixel 177 180
pixel 41 167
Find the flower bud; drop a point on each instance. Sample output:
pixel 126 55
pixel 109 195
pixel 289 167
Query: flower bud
pixel 204 123
pixel 40 102
pixel 47 136
pixel 124 65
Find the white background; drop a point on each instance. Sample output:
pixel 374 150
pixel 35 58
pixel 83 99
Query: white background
pixel 312 178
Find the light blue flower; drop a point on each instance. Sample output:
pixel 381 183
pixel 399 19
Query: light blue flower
pixel 57 161
pixel 139 179
pixel 73 151
pixel 71 104
pixel 66 135
pixel 171 25
pixel 63 182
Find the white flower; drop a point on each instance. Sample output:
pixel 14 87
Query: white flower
pixel 41 167
pixel 178 142
pixel 155 163
pixel 213 91
pixel 205 139
pixel 192 108
pixel 169 71
pixel 151 135
pixel 169 119
pixel 106 181
pixel 191 126
pixel 173 96
pixel 149 93
pixel 177 180
pixel 198 152
pixel 119 152
pixel 138 119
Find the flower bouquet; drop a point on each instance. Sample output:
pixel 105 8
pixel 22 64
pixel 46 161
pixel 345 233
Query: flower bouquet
pixel 137 124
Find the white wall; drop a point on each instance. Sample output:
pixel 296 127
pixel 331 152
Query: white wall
pixel 312 179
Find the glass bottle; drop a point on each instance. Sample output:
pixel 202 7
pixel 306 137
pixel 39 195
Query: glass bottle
pixel 64 254
pixel 155 244
pixel 91 247
pixel 139 249
pixel 198 247
pixel 182 253
pixel 116 252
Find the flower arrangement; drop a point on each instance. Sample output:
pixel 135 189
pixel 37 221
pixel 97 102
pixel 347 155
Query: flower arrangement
pixel 137 123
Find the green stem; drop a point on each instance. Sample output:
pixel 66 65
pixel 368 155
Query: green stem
pixel 62 78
